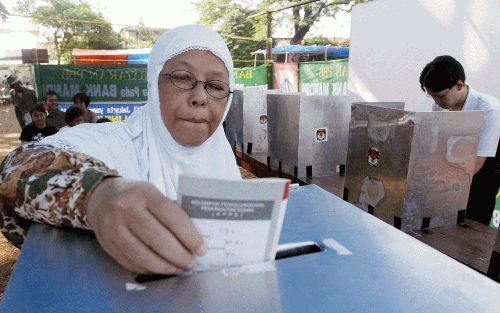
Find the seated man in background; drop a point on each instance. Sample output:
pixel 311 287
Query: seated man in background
pixel 38 129
pixel 56 116
pixel 443 80
pixel 82 101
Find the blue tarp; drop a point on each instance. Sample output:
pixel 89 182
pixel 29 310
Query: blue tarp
pixel 332 52
pixel 137 59
pixel 336 52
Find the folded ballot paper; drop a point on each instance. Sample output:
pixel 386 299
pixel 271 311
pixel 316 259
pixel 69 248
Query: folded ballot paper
pixel 240 220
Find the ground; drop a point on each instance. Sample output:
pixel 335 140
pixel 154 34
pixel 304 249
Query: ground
pixel 9 139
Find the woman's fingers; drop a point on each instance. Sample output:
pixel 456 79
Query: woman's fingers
pixel 141 229
pixel 111 248
pixel 173 217
pixel 153 234
pixel 140 255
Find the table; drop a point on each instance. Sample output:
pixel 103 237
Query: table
pixel 257 164
pixel 471 243
pixel 367 266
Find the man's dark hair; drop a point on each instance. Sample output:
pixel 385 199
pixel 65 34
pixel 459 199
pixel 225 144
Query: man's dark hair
pixel 39 107
pixel 442 73
pixel 82 97
pixel 103 120
pixel 72 113
pixel 50 93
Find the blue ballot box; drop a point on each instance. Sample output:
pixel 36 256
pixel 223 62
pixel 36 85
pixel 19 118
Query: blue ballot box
pixel 366 266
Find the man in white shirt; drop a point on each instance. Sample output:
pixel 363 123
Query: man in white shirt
pixel 443 79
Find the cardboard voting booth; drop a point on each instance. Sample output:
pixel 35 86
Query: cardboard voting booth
pixel 411 169
pixel 246 121
pixel 307 134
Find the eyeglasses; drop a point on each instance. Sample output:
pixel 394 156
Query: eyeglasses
pixel 437 97
pixel 187 81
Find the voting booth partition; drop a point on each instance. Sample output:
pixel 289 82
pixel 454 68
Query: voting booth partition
pixel 246 121
pixel 411 169
pixel 307 134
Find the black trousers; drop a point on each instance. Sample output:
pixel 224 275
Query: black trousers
pixel 483 191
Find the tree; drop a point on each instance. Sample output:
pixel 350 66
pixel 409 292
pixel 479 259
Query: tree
pixel 3 12
pixel 212 11
pixel 322 41
pixel 319 41
pixel 241 34
pixel 302 17
pixel 238 32
pixel 305 16
pixel 146 37
pixel 68 24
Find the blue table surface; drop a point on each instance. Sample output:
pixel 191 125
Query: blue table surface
pixel 377 269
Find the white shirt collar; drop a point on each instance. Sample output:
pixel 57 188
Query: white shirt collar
pixel 471 100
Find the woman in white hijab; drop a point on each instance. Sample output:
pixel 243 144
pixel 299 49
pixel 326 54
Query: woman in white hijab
pixel 120 179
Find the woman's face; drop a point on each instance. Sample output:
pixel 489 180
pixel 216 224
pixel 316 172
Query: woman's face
pixel 192 116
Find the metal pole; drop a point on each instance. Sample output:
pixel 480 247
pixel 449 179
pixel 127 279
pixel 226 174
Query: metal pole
pixel 269 42
pixel 269 50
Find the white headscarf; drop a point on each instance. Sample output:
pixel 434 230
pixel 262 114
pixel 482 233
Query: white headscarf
pixel 158 158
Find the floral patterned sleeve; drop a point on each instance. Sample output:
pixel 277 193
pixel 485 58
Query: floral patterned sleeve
pixel 46 185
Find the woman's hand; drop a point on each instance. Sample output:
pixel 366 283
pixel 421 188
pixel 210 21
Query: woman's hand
pixel 141 229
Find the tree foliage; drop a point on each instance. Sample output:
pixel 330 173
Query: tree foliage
pixel 302 18
pixel 68 24
pixel 319 41
pixel 322 41
pixel 233 24
pixel 146 37
pixel 3 12
pixel 212 11
pixel 231 20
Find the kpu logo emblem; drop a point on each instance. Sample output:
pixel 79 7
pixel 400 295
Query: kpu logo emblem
pixel 263 119
pixel 321 134
pixel 373 156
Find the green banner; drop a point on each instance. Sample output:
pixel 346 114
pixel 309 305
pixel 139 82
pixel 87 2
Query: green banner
pixel 323 78
pixel 101 83
pixel 251 77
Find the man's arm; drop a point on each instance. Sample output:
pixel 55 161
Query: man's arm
pixel 19 116
pixel 479 164
pixel 33 96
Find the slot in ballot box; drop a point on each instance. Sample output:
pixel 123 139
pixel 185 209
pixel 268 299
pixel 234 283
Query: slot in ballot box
pixel 307 134
pixel 411 169
pixel 365 265
pixel 246 122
